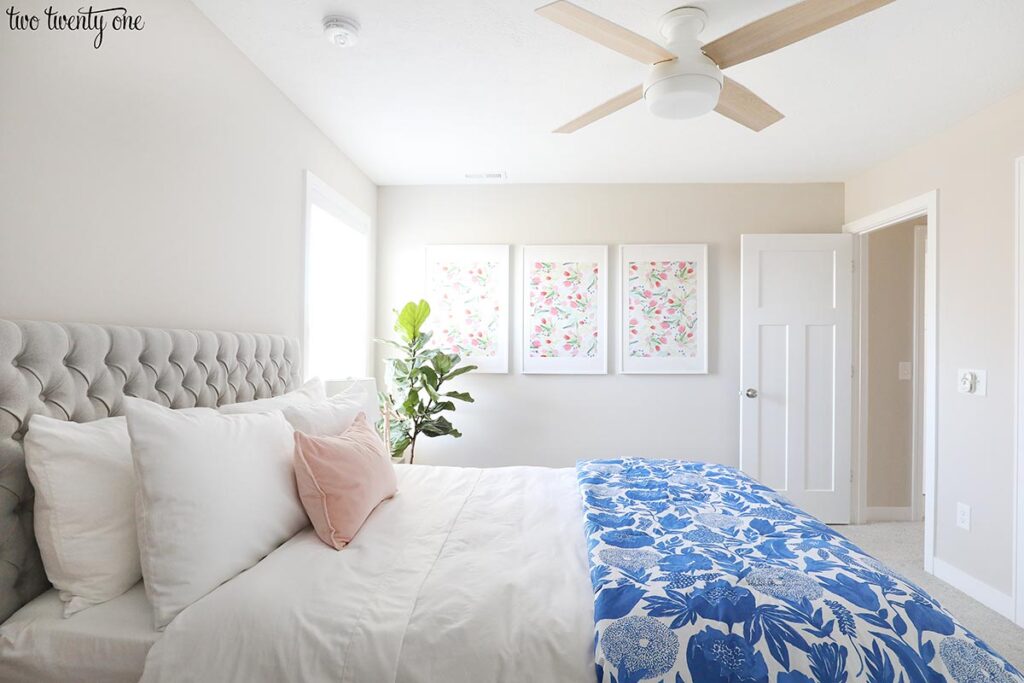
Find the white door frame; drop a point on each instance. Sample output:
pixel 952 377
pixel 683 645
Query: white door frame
pixel 1018 495
pixel 926 207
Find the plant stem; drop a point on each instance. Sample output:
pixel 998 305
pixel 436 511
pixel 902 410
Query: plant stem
pixel 412 450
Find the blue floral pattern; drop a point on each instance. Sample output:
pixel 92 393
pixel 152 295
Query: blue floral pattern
pixel 702 574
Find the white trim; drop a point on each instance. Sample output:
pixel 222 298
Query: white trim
pixel 350 214
pixel 992 598
pixel 927 206
pixel 888 514
pixel 1018 537
pixel 862 257
pixel 904 211
pixel 917 452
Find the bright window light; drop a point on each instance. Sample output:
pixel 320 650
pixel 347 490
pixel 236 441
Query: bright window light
pixel 338 294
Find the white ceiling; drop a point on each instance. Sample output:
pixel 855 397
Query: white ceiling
pixel 441 88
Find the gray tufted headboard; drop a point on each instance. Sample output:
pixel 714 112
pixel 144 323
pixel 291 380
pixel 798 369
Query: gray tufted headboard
pixel 80 372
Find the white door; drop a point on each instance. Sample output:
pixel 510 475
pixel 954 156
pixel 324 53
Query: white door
pixel 796 366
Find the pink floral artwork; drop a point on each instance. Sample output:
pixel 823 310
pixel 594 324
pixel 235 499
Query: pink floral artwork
pixel 466 307
pixel 563 311
pixel 662 310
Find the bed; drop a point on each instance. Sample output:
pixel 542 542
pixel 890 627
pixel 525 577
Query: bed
pixel 617 570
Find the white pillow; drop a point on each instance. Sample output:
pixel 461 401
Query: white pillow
pixel 311 392
pixel 216 494
pixel 335 415
pixel 84 521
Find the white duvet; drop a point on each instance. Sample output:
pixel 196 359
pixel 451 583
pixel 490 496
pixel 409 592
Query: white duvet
pixel 466 575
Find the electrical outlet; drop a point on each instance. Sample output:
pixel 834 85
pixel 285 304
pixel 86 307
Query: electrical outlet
pixel 963 516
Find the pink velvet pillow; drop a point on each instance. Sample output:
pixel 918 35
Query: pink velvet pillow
pixel 341 479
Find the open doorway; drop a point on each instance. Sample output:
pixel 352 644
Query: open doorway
pixel 892 334
pixel 919 216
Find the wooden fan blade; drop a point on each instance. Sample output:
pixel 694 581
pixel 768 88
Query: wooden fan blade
pixel 610 107
pixel 608 33
pixel 746 108
pixel 786 27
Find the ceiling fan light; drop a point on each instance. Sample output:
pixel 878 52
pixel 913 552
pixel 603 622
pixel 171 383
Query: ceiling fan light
pixel 684 96
pixel 685 87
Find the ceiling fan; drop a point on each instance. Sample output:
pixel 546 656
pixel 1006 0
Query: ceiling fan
pixel 686 77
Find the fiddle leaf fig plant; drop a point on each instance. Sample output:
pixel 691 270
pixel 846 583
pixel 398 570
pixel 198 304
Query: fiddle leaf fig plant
pixel 415 399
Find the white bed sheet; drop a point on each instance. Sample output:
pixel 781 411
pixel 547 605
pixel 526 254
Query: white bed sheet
pixel 466 575
pixel 107 642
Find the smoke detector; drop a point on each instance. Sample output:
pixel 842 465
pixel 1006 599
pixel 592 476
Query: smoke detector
pixel 341 31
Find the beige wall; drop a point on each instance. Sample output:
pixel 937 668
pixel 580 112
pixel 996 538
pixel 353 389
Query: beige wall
pixel 553 420
pixel 156 181
pixel 972 166
pixel 890 341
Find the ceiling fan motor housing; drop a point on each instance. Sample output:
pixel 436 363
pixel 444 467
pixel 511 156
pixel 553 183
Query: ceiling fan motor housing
pixel 690 85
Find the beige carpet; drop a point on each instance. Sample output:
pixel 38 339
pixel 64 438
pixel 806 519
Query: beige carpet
pixel 900 545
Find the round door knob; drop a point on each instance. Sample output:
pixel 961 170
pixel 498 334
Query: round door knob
pixel 750 393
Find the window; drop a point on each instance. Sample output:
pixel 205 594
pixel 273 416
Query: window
pixel 338 285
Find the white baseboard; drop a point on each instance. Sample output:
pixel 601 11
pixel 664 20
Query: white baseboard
pixel 881 514
pixel 979 590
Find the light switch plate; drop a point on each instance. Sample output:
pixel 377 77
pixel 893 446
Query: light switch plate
pixel 980 382
pixel 905 371
pixel 963 516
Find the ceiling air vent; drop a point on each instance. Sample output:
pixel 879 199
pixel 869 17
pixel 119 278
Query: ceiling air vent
pixel 493 177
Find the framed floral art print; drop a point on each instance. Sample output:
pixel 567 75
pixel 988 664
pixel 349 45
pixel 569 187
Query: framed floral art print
pixel 565 309
pixel 468 292
pixel 664 304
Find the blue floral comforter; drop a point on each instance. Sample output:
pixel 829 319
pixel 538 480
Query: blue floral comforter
pixel 701 574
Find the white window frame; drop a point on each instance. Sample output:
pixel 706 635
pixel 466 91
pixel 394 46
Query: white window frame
pixel 323 195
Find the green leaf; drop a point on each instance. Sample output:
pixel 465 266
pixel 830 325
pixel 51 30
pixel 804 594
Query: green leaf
pixel 399 446
pixel 442 363
pixel 391 342
pixel 458 371
pixel 421 341
pixel 442 406
pixel 429 374
pixel 411 319
pixel 439 426
pixel 412 402
pixel 460 396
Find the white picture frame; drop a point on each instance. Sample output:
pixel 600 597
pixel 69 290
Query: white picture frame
pixel 468 290
pixel 663 304
pixel 561 336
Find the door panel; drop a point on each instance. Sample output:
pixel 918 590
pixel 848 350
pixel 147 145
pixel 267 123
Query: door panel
pixel 773 365
pixel 796 347
pixel 820 407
